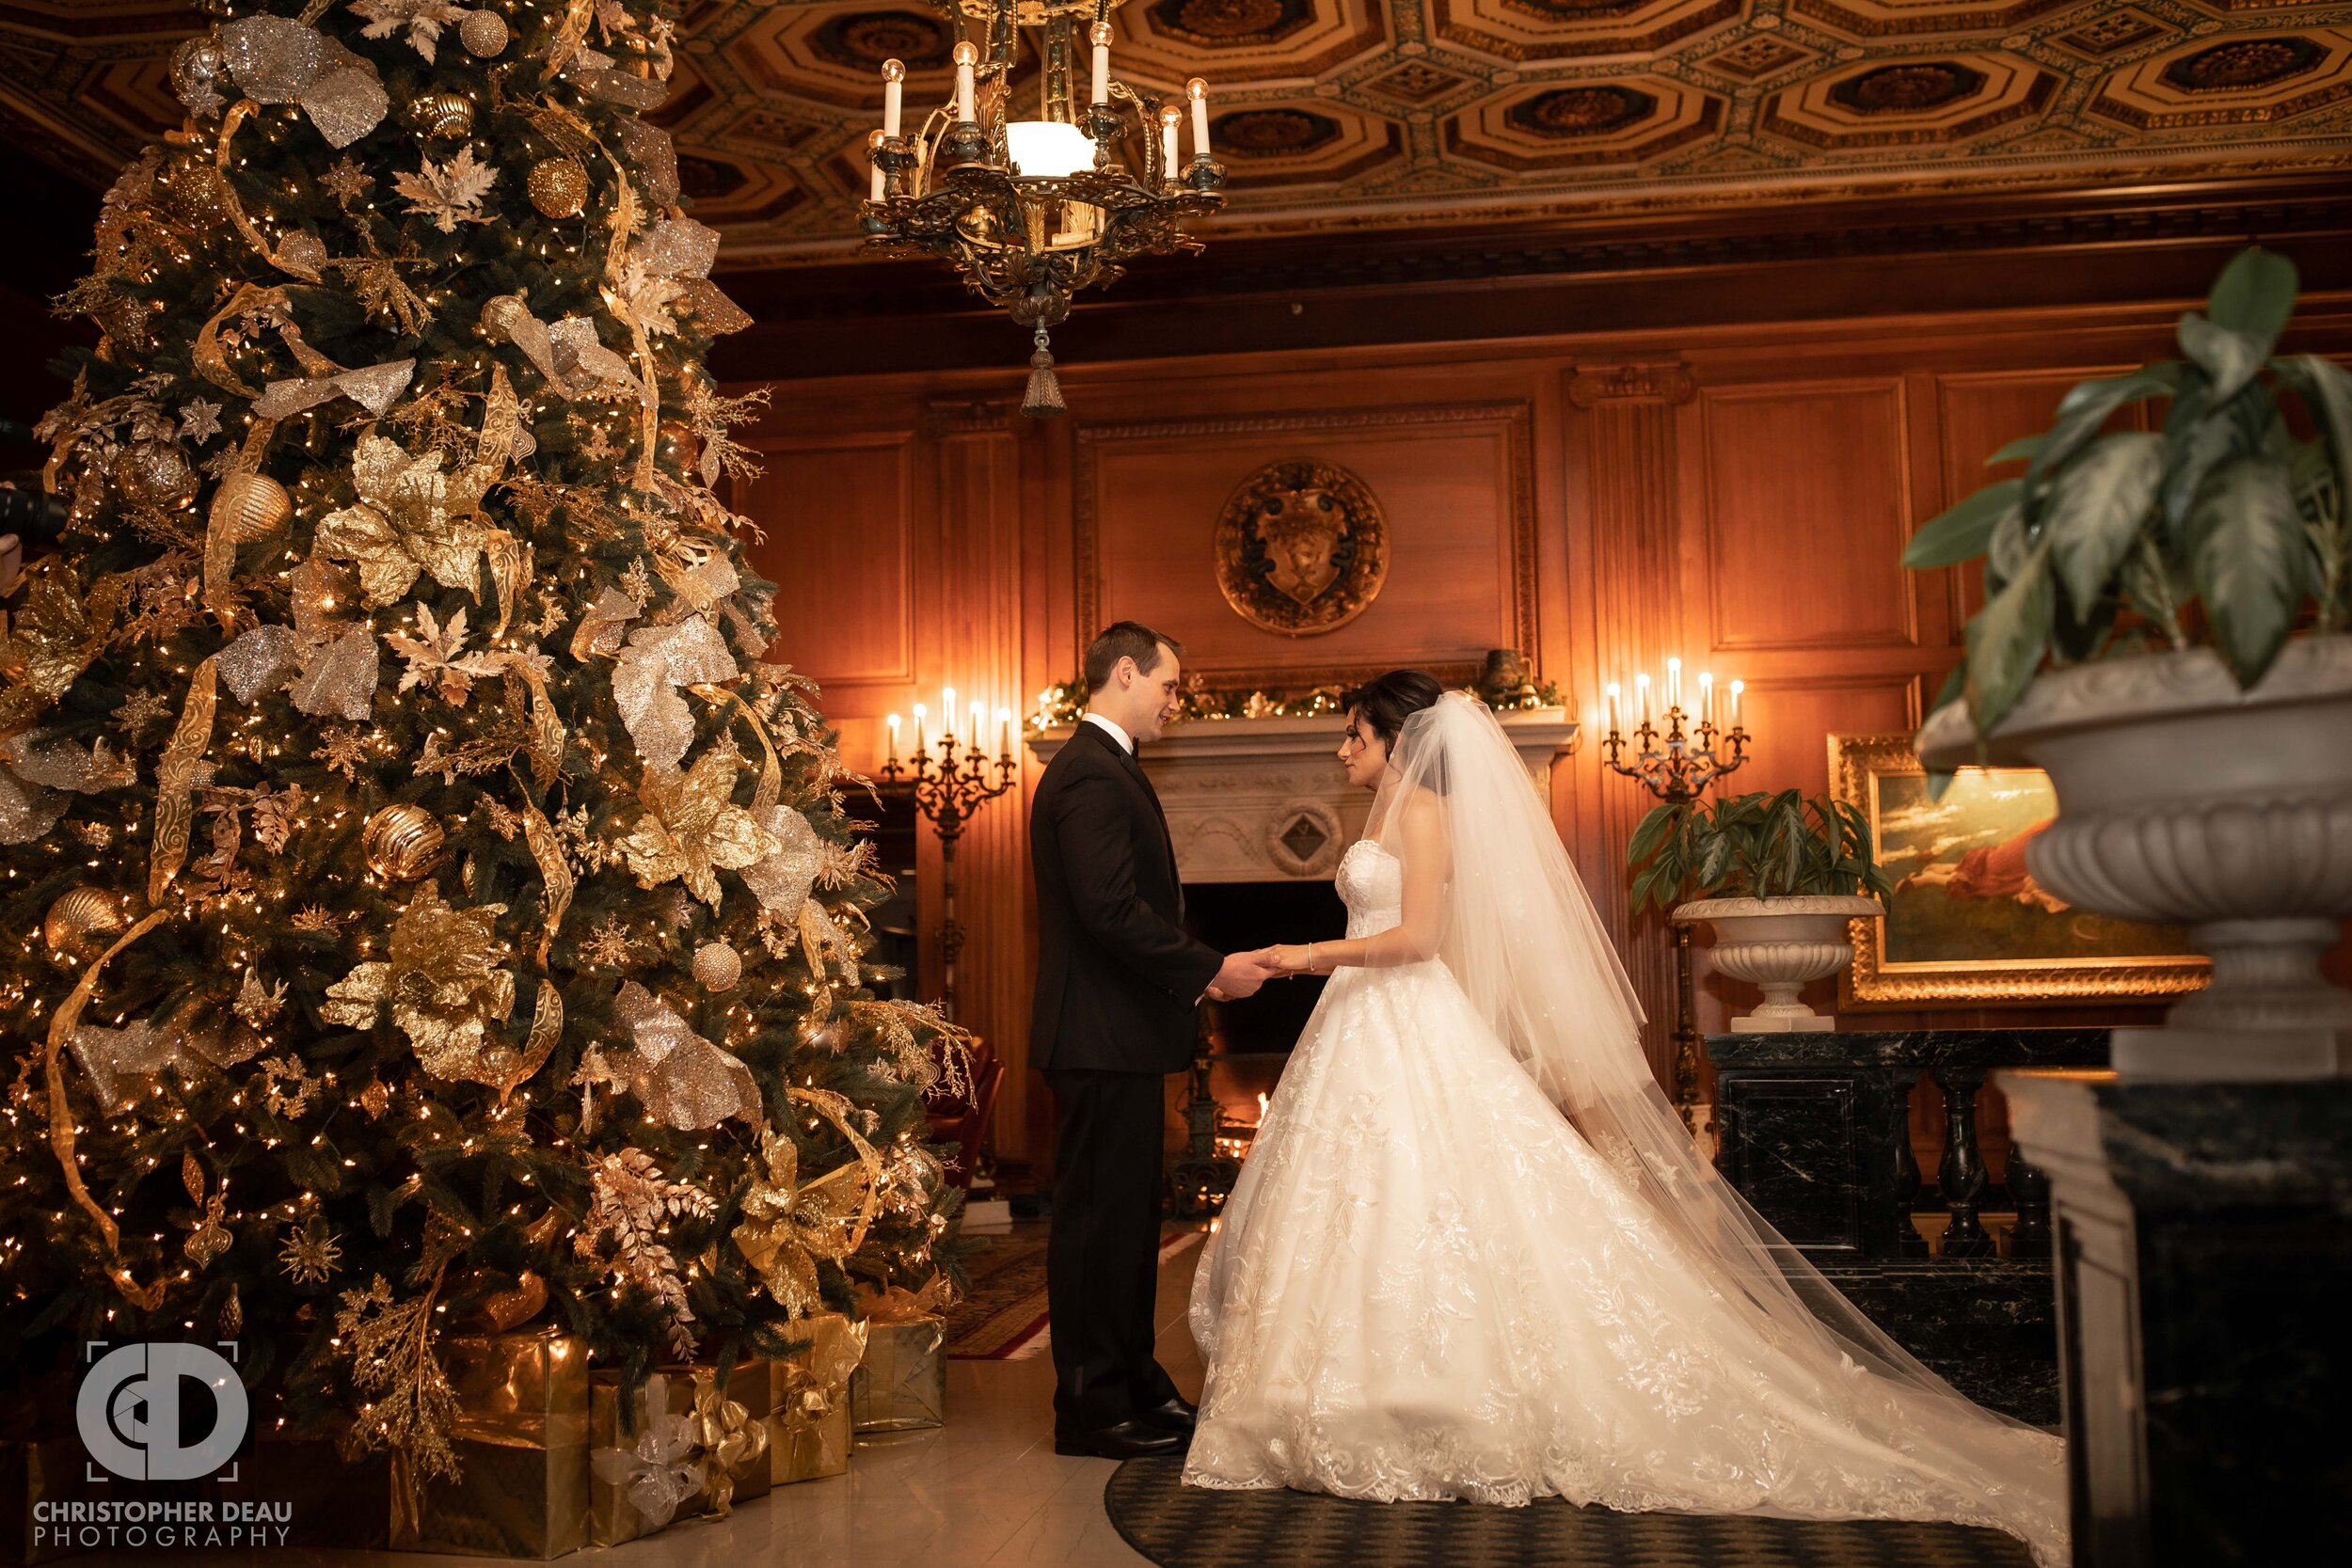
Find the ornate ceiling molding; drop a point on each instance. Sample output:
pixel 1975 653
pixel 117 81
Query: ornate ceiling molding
pixel 1352 116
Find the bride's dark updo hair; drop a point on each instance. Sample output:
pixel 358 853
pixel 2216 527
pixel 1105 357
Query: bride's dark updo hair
pixel 1388 700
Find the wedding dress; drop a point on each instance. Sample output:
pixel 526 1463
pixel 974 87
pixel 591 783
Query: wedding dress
pixel 1473 1255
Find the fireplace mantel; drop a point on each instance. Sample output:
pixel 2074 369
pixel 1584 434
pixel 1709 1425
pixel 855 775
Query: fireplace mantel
pixel 1263 800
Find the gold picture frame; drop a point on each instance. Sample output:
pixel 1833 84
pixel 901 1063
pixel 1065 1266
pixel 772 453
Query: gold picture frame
pixel 1967 923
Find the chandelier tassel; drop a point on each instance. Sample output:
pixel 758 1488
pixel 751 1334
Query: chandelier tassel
pixel 1043 400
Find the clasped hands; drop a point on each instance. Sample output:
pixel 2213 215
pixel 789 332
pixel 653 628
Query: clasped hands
pixel 1242 973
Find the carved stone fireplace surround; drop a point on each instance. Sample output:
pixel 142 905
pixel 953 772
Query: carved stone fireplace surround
pixel 1263 800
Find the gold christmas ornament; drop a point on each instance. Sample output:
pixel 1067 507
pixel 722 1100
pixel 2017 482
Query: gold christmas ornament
pixel 557 187
pixel 82 922
pixel 257 506
pixel 402 843
pixel 718 966
pixel 154 473
pixel 483 33
pixel 442 114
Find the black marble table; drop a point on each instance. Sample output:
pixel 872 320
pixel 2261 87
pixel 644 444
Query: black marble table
pixel 1815 1131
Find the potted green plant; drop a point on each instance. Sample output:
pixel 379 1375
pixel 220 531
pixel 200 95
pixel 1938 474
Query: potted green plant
pixel 2164 631
pixel 1777 876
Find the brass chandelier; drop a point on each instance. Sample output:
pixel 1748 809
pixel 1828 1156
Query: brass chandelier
pixel 1030 211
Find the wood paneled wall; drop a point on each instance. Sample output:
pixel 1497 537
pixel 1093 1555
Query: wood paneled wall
pixel 1738 498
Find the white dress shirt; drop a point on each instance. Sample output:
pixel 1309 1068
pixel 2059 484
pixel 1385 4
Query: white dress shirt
pixel 1126 741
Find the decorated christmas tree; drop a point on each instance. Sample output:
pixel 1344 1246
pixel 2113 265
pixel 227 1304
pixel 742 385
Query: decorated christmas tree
pixel 432 911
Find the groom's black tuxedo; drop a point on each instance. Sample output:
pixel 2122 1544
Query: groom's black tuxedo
pixel 1117 978
pixel 1116 981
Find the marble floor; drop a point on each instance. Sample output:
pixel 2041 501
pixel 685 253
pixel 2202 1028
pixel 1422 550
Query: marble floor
pixel 985 1491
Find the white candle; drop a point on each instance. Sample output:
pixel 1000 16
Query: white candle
pixel 894 738
pixel 1674 683
pixel 1640 698
pixel 1198 90
pixel 1616 722
pixel 893 86
pixel 1737 687
pixel 1100 35
pixel 1170 118
pixel 1706 698
pixel 1003 732
pixel 921 712
pixel 967 57
pixel 980 723
pixel 879 188
pixel 947 714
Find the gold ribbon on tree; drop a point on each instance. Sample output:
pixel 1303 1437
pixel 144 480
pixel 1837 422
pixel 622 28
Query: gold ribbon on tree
pixel 63 1133
pixel 220 537
pixel 175 781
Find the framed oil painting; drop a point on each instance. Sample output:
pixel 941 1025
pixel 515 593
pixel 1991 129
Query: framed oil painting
pixel 1967 922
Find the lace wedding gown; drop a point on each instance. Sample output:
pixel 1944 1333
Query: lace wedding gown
pixel 1428 1285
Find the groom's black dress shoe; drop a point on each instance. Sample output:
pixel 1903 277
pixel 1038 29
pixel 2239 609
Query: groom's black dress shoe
pixel 1176 1414
pixel 1133 1438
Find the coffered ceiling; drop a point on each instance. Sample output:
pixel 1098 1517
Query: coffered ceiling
pixel 1373 115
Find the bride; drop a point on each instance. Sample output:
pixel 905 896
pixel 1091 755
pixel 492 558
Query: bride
pixel 1473 1254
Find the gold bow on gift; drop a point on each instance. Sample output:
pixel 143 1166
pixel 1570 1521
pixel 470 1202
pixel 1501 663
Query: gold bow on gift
pixel 730 1440
pixel 816 1381
pixel 896 1304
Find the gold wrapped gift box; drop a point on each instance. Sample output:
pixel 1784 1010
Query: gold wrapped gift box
pixel 521 1439
pixel 690 1448
pixel 901 1386
pixel 809 1431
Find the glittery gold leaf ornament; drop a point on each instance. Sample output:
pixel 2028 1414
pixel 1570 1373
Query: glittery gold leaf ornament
pixel 411 519
pixel 395 1362
pixel 444 985
pixel 53 637
pixel 338 678
pixel 690 830
pixel 658 660
pixel 680 1078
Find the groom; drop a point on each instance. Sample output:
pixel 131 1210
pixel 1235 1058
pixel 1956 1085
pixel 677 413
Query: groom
pixel 1117 982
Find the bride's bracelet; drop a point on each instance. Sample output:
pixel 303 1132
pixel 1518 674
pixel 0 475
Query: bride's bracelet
pixel 1310 958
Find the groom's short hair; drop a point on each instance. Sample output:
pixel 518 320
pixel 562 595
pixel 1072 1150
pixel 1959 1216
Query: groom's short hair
pixel 1126 639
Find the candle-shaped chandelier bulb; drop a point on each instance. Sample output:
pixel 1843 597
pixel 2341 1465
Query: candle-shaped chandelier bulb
pixel 1674 683
pixel 1170 117
pixel 967 54
pixel 879 187
pixel 1706 699
pixel 1100 36
pixel 894 90
pixel 1198 91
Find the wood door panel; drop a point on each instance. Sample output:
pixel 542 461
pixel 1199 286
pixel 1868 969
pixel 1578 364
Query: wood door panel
pixel 1807 497
pixel 1452 482
pixel 840 549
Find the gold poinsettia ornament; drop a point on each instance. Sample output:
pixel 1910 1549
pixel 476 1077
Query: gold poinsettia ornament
pixel 411 519
pixel 691 830
pixel 789 1225
pixel 446 986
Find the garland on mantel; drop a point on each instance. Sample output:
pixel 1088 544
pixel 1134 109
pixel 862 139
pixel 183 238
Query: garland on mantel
pixel 1065 702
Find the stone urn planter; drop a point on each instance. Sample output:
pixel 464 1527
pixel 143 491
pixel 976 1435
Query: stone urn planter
pixel 1780 943
pixel 2184 799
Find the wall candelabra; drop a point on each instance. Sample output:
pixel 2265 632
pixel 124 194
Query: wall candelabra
pixel 1675 759
pixel 949 789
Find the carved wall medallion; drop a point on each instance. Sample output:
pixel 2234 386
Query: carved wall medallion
pixel 1301 547
pixel 1304 838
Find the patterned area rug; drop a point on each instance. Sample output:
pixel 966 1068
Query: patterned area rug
pixel 1004 1319
pixel 1183 1527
